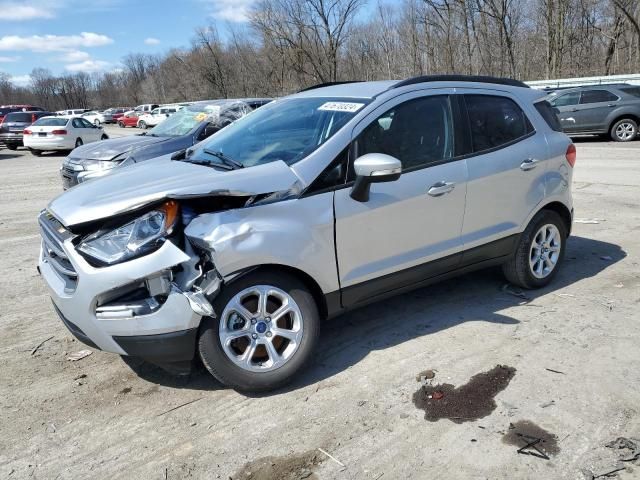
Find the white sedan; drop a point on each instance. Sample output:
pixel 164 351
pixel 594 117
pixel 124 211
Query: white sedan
pixel 156 116
pixel 60 133
pixel 97 118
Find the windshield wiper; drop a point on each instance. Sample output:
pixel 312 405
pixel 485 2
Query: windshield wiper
pixel 234 165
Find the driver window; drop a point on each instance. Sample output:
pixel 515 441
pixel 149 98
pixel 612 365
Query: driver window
pixel 418 132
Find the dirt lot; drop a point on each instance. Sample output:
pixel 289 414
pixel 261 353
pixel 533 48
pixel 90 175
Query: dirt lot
pixel 569 370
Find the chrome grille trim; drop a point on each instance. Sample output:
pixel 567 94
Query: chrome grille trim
pixel 54 253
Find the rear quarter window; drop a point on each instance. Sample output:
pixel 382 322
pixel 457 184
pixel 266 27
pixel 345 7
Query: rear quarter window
pixel 549 114
pixel 635 91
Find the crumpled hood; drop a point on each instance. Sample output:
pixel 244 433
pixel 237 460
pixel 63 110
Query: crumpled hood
pixel 138 185
pixel 111 148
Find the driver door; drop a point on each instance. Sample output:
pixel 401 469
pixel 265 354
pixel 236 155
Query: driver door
pixel 408 230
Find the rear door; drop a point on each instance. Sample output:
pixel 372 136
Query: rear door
pixel 394 239
pixel 595 105
pixel 506 170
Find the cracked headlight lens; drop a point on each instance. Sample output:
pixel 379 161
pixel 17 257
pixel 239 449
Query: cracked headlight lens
pixel 136 238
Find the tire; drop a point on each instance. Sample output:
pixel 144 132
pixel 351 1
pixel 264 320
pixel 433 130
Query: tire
pixel 121 125
pixel 79 143
pixel 142 125
pixel 624 130
pixel 522 269
pixel 11 146
pixel 104 137
pixel 35 153
pixel 96 122
pixel 262 375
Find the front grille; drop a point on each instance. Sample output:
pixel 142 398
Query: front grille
pixel 68 171
pixel 53 235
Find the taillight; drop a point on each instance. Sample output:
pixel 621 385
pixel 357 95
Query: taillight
pixel 26 132
pixel 571 154
pixel 59 132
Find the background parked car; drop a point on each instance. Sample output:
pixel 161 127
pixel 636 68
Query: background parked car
pixel 72 111
pixel 129 119
pixel 181 130
pixel 97 118
pixel 4 109
pixel 60 133
pixel 115 114
pixel 156 116
pixel 145 108
pixel 13 124
pixel 612 110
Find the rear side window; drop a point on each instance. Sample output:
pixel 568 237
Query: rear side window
pixel 549 114
pixel 635 91
pixel 595 96
pixel 495 121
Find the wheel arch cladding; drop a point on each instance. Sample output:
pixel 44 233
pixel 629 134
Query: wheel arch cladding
pixel 562 210
pixel 304 277
pixel 621 116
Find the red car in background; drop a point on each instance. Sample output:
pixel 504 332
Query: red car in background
pixel 4 109
pixel 117 113
pixel 129 120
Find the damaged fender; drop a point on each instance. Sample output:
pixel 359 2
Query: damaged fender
pixel 290 233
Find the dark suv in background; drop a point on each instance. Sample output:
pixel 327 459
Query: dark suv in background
pixel 13 125
pixel 612 110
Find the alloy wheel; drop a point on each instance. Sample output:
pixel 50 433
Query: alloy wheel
pixel 625 131
pixel 261 328
pixel 545 251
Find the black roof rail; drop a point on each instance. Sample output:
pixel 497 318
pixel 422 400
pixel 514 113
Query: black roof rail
pixel 461 78
pixel 327 84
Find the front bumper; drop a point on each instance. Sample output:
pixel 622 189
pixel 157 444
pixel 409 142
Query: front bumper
pixel 76 288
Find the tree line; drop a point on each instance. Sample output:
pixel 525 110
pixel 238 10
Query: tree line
pixel 290 44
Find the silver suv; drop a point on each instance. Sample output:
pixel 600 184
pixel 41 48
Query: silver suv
pixel 236 249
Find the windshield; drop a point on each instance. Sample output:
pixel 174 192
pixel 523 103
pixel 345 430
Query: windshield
pixel 184 120
pixel 51 122
pixel 287 130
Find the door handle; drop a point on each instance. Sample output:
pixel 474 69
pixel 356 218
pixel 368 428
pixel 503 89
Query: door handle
pixel 440 188
pixel 528 164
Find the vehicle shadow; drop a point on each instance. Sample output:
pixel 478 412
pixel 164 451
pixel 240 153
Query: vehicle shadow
pixel 347 339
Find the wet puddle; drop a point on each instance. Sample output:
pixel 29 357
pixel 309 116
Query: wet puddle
pixel 531 439
pixel 466 403
pixel 289 467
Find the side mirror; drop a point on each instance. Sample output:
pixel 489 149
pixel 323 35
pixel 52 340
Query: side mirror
pixel 373 168
pixel 209 130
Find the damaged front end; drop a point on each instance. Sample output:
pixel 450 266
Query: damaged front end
pixel 133 283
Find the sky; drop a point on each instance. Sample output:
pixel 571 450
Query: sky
pixel 67 36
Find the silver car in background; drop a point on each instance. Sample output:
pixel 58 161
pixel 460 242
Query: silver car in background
pixel 190 125
pixel 236 249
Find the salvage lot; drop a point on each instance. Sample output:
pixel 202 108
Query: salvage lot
pixel 573 345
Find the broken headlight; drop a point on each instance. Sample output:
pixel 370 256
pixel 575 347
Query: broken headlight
pixel 133 239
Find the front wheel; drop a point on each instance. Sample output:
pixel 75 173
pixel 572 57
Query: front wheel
pixel 96 122
pixel 267 328
pixel 104 137
pixel 35 153
pixel 79 142
pixel 624 130
pixel 142 125
pixel 11 146
pixel 539 252
pixel 121 125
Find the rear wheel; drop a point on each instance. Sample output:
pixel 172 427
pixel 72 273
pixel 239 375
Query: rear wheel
pixel 79 142
pixel 104 137
pixel 624 130
pixel 539 253
pixel 142 124
pixel 36 153
pixel 96 122
pixel 266 331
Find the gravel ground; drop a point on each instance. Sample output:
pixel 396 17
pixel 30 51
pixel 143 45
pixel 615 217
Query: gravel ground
pixel 569 359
